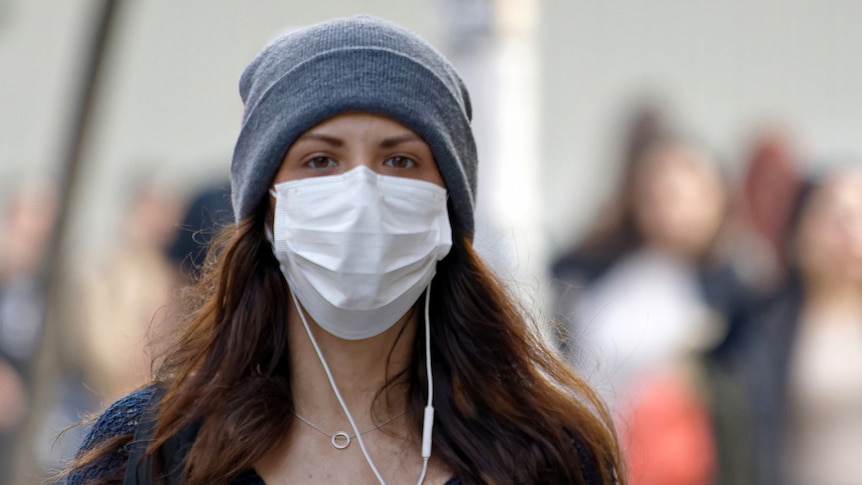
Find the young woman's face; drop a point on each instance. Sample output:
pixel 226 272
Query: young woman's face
pixel 829 241
pixel 348 140
pixel 679 199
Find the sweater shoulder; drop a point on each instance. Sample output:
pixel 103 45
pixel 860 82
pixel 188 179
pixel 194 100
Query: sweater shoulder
pixel 120 419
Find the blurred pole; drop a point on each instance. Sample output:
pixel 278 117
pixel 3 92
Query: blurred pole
pixel 494 45
pixel 47 372
pixel 519 154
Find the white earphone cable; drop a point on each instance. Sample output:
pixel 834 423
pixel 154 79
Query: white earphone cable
pixel 428 420
pixel 335 389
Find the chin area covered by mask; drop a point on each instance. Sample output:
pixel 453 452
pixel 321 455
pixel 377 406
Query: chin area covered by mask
pixel 358 249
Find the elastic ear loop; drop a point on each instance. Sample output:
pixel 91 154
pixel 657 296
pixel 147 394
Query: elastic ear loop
pixel 429 409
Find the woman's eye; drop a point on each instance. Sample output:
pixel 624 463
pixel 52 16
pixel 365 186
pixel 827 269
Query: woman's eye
pixel 320 162
pixel 400 162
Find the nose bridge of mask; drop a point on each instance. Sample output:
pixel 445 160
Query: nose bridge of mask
pixel 360 203
pixel 361 178
pixel 366 196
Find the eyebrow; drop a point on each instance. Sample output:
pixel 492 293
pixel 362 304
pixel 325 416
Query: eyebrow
pixel 397 140
pixel 338 142
pixel 331 140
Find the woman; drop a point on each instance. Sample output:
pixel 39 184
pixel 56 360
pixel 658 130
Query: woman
pixel 645 321
pixel 652 302
pixel 802 359
pixel 344 328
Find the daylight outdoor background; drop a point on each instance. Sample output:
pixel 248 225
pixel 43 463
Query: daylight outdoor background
pixel 552 84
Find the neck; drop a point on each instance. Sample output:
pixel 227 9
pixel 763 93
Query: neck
pixel 360 369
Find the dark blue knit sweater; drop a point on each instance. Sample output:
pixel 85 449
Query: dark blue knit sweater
pixel 123 417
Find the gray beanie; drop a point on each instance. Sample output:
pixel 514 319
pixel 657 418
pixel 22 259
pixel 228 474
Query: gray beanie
pixel 357 64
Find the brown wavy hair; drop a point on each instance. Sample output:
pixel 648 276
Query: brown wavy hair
pixel 507 408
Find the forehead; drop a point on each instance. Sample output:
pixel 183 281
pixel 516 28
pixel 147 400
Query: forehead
pixel 842 190
pixel 676 160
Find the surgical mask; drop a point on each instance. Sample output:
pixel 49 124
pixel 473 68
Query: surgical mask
pixel 358 249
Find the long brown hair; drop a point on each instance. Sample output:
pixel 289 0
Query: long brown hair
pixel 508 409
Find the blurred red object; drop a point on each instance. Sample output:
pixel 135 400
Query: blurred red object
pixel 667 432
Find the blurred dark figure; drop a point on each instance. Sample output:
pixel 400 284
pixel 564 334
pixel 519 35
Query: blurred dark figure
pixel 25 231
pixel 758 242
pixel 803 356
pixel 209 211
pixel 769 189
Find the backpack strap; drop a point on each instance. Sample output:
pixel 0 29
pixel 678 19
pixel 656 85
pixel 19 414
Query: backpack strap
pixel 140 468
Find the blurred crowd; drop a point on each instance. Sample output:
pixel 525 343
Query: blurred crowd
pixel 113 308
pixel 721 317
pixel 719 314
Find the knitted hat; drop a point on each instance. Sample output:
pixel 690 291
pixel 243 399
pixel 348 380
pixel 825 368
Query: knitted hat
pixel 356 64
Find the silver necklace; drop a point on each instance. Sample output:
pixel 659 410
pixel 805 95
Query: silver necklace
pixel 341 439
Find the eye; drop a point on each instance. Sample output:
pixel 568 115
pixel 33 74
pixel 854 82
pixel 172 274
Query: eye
pixel 400 162
pixel 320 163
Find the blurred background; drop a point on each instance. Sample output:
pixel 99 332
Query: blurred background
pixel 673 187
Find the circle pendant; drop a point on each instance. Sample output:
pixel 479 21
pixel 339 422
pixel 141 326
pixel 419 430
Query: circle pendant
pixel 340 440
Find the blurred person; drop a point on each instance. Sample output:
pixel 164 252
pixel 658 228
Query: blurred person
pixel 345 312
pixel 769 188
pixel 756 241
pixel 803 359
pixel 127 295
pixel 25 233
pixel 613 233
pixel 641 321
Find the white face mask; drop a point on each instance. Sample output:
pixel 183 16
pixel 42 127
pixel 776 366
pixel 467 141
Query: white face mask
pixel 359 248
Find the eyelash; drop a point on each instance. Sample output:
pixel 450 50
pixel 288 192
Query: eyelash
pixel 330 162
pixel 312 163
pixel 411 162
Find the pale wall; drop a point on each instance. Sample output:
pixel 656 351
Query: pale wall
pixel 724 67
